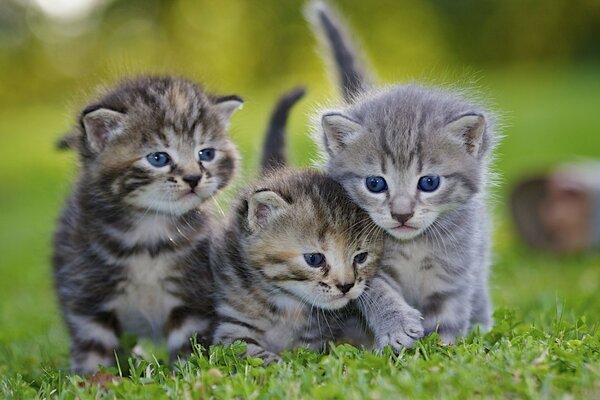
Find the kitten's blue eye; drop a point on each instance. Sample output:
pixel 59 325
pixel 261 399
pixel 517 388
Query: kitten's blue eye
pixel 206 154
pixel 314 259
pixel 429 183
pixel 159 159
pixel 360 258
pixel 376 184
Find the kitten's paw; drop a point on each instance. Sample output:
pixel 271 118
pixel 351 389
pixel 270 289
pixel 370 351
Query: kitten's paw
pixel 267 356
pixel 270 358
pixel 403 331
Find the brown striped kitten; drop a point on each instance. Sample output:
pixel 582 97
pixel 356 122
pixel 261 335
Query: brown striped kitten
pixel 131 247
pixel 295 252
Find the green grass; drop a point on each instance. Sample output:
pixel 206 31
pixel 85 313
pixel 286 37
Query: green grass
pixel 546 342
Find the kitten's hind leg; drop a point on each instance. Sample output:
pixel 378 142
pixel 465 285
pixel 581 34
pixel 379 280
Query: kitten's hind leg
pixel 94 341
pixel 182 325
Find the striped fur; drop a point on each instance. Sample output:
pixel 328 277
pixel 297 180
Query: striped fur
pixel 352 74
pixel 435 268
pixel 131 250
pixel 266 293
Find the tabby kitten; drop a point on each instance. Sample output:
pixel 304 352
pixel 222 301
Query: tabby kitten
pixel 294 254
pixel 416 159
pixel 131 247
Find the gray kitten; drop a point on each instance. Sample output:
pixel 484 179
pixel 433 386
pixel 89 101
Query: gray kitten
pixel 294 254
pixel 416 159
pixel 131 246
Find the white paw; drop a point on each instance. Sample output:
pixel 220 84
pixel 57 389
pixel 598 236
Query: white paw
pixel 403 331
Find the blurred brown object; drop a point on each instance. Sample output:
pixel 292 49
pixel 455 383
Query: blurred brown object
pixel 560 211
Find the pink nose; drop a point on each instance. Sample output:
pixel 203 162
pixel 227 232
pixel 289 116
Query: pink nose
pixel 402 218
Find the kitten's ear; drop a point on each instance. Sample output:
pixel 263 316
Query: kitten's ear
pixel 263 206
pixel 101 126
pixel 469 128
pixel 339 131
pixel 226 106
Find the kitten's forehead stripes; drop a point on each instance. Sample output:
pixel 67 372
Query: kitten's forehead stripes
pixel 387 153
pixel 174 103
pixel 321 236
pixel 421 127
pixel 420 156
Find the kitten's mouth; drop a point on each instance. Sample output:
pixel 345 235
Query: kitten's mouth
pixel 405 232
pixel 190 194
pixel 405 228
pixel 336 303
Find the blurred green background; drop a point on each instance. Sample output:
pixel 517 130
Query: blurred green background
pixel 537 61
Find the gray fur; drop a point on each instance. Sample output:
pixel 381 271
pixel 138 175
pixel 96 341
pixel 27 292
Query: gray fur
pixel 438 271
pixel 346 58
pixel 131 246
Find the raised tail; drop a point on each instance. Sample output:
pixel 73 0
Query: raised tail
pixel 274 153
pixel 333 34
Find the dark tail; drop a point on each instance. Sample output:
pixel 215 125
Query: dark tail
pixel 332 32
pixel 274 154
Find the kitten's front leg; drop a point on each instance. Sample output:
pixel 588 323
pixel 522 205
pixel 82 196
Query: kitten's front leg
pixel 393 321
pixel 94 341
pixel 448 313
pixel 182 325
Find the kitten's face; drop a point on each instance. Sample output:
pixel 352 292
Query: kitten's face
pixel 166 159
pixel 171 176
pixel 408 201
pixel 320 261
pixel 406 177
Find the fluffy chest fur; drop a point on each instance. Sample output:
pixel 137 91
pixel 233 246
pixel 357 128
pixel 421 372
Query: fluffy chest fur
pixel 145 297
pixel 414 265
pixel 287 328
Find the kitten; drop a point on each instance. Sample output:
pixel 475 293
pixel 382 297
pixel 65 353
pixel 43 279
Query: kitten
pixel 416 159
pixel 131 247
pixel 295 252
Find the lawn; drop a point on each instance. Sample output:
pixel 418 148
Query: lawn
pixel 545 343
